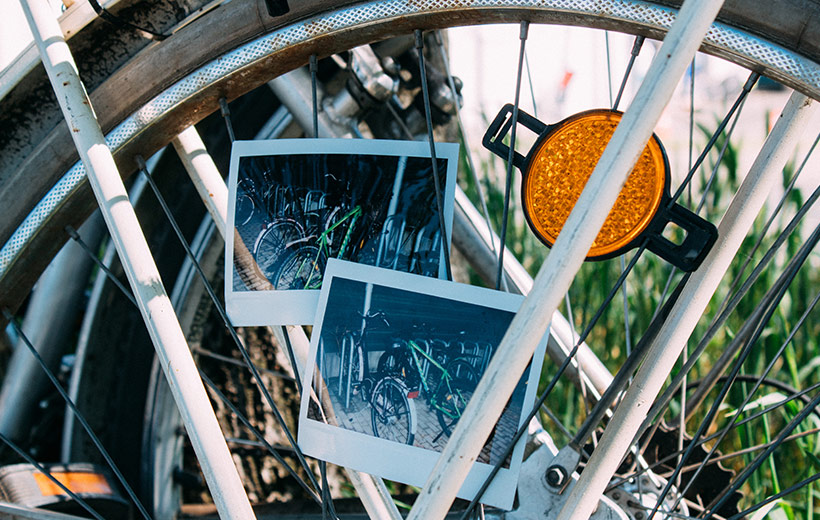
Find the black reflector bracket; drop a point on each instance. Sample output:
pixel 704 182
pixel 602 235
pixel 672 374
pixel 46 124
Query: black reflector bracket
pixel 558 166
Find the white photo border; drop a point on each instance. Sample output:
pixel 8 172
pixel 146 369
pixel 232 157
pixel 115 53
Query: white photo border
pixel 298 307
pixel 389 459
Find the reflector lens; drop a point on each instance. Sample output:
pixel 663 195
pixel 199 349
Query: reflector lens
pixel 78 482
pixel 560 167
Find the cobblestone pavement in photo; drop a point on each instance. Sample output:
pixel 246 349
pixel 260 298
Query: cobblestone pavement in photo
pixel 428 430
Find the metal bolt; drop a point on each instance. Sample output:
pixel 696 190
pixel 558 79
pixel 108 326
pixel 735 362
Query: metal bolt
pixel 639 515
pixel 616 495
pixel 556 476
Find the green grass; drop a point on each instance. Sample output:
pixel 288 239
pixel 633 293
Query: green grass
pixel 798 367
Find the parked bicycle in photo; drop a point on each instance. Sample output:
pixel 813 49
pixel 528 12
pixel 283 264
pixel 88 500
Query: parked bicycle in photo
pixel 427 372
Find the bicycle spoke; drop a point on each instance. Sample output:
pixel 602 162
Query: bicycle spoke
pixel 522 36
pixel 734 111
pixel 28 458
pixel 719 161
pixel 225 359
pixel 720 365
pixel 757 383
pixel 557 422
pixel 227 323
pixel 791 489
pixel 725 309
pixel 445 243
pixel 292 357
pixel 691 121
pixel 260 437
pixel 745 451
pixel 226 115
pixel 760 459
pixel 464 143
pixel 769 306
pixel 79 416
pixel 671 456
pixel 636 50
pixel 685 353
pixel 747 87
pixel 667 514
pixel 608 69
pixel 775 214
pixel 314 67
pixel 728 307
pixel 104 268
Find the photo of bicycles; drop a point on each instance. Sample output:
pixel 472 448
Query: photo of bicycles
pixel 396 363
pixel 294 207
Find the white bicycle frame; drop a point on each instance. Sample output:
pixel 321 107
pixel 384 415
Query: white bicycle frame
pixel 527 328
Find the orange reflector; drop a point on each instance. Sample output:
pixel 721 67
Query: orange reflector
pixel 77 482
pixel 562 162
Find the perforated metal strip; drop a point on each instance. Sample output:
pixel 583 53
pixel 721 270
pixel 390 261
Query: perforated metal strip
pixel 721 39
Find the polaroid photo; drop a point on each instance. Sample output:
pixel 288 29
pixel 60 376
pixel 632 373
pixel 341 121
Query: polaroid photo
pixel 294 204
pixel 394 359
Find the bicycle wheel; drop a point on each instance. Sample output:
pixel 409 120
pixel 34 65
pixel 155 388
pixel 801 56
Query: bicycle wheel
pixel 391 412
pixel 36 252
pixel 453 395
pixel 269 249
pixel 302 268
pixel 388 364
pixel 245 209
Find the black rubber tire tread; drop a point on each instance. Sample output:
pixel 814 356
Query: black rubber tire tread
pixel 139 71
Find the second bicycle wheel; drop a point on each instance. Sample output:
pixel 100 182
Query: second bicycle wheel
pixel 453 395
pixel 301 268
pixel 392 414
pixel 269 249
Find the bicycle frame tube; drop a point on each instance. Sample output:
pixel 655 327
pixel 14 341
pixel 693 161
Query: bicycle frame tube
pixel 411 345
pixel 354 213
pixel 435 363
pixel 556 274
pixel 155 306
pixel 323 243
pixel 443 409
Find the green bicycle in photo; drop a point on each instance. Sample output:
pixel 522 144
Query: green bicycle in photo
pixel 303 262
pixel 425 371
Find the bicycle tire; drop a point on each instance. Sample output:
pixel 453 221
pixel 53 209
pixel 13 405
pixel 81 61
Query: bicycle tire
pixel 791 29
pixel 300 267
pixel 782 35
pixel 451 399
pixel 270 248
pixel 392 414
